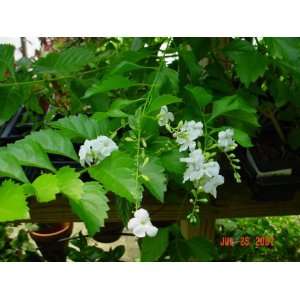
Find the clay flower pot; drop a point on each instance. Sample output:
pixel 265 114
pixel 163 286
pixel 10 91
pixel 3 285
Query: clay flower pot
pixel 49 240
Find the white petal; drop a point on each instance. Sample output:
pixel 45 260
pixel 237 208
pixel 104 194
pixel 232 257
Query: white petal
pixel 141 214
pixel 133 222
pixel 139 231
pixel 151 230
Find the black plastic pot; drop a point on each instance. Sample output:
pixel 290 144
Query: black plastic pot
pixel 274 180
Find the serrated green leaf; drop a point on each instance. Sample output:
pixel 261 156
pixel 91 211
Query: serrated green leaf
pixel 154 247
pixel 250 64
pixel 69 183
pixel 92 207
pixel 162 100
pixel 201 96
pixel 242 138
pixel 64 62
pixel 6 59
pixel 156 181
pixel 13 205
pixel 109 84
pixel 117 173
pixel 53 142
pixel 10 167
pixel 29 153
pixel 46 187
pixel 81 127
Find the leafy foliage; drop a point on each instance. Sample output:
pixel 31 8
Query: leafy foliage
pixel 80 127
pixel 46 187
pixel 6 59
pixel 13 205
pixel 92 207
pixel 30 153
pixel 153 177
pixel 66 61
pixel 122 180
pixel 53 142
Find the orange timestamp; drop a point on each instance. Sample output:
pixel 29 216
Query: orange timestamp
pixel 247 241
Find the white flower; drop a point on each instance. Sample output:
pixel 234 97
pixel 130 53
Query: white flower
pixel 225 140
pixel 94 151
pixel 195 163
pixel 141 225
pixel 197 167
pixel 212 183
pixel 187 135
pixel 211 168
pixel 165 116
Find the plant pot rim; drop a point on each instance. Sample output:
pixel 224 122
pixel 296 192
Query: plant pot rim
pixel 66 226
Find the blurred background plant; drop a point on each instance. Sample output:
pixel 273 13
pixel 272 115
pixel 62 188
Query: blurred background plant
pixel 285 232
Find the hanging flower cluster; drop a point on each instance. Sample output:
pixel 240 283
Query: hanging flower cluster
pixel 94 151
pixel 202 169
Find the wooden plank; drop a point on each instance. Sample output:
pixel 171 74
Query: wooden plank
pixel 233 201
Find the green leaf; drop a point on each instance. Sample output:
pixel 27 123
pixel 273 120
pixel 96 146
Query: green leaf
pixel 92 207
pixel 160 101
pixel 250 64
pixel 200 95
pixel 284 47
pixel 13 205
pixel 69 183
pixel 6 59
pixel 46 187
pixel 229 104
pixel 153 177
pixel 124 67
pixel 201 248
pixel 115 82
pixel 242 138
pixel 10 101
pixel 81 127
pixel 118 174
pixel 30 153
pixel 154 247
pixel 64 62
pixel 171 162
pixel 10 167
pixel 53 142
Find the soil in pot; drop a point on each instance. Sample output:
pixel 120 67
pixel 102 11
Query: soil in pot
pixel 50 239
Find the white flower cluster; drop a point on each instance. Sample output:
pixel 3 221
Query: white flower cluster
pixel 140 225
pixel 94 151
pixel 188 132
pixel 225 140
pixel 202 173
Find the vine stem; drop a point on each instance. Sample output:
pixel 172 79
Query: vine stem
pixel 147 102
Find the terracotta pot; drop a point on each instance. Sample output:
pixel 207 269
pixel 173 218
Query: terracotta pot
pixel 49 241
pixel 110 233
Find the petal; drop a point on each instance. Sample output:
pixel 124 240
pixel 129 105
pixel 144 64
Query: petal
pixel 139 231
pixel 141 214
pixel 151 230
pixel 134 222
